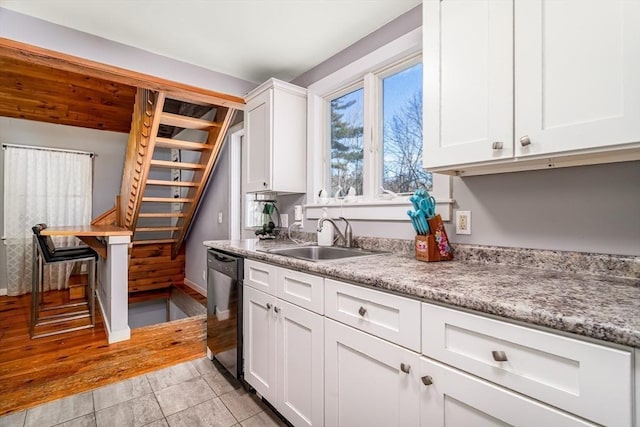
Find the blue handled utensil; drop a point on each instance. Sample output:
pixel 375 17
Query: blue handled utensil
pixel 415 221
pixel 428 206
pixel 424 224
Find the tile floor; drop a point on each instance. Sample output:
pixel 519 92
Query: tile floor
pixel 191 394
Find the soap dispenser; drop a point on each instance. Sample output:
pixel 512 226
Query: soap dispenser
pixel 325 237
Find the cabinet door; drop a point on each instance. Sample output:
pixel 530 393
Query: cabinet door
pixel 300 365
pixel 468 81
pixel 365 380
pixel 457 399
pixel 257 155
pixel 577 74
pixel 259 341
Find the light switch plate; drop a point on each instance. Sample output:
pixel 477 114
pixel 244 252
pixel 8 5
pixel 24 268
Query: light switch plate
pixel 463 222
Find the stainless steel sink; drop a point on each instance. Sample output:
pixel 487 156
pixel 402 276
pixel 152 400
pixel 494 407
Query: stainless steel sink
pixel 321 253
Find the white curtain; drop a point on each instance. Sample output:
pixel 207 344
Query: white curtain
pixel 42 186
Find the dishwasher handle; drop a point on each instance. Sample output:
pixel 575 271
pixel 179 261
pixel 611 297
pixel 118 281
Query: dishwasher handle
pixel 222 257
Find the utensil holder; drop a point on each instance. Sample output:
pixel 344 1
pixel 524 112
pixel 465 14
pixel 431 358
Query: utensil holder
pixel 434 246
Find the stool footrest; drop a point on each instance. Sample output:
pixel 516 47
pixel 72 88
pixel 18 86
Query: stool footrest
pixel 63 317
pixel 48 334
pixel 58 307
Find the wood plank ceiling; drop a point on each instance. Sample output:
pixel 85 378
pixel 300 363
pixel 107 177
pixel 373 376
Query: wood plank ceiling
pixel 37 92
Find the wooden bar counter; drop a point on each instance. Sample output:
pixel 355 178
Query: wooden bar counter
pixel 112 244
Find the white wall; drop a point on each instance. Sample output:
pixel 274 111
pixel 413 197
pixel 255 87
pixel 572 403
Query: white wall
pixel 109 147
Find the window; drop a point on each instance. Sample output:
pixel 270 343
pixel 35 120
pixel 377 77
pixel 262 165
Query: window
pixel 346 141
pixel 365 136
pixel 401 135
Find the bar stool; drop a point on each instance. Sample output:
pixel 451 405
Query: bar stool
pixel 45 253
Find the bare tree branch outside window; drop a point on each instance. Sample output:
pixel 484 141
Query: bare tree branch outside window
pixel 402 132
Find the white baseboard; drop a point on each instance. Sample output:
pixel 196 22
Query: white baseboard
pixel 112 337
pixel 193 285
pixel 3 292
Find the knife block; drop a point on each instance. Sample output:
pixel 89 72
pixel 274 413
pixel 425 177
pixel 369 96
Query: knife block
pixel 434 246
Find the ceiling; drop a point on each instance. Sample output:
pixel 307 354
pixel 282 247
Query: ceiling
pixel 250 39
pixel 37 92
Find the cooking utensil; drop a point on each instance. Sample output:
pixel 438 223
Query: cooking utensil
pixel 428 206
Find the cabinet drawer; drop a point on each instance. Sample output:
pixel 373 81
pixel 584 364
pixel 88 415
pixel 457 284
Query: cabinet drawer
pixel 586 379
pixel 260 276
pixel 304 290
pixel 453 399
pixel 387 316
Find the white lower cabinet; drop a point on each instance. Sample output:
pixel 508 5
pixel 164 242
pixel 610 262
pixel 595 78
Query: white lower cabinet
pixel 283 356
pixel 361 364
pixel 368 381
pixel 452 398
pixel 259 342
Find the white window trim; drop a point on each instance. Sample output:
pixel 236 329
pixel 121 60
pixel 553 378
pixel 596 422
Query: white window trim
pixel 383 210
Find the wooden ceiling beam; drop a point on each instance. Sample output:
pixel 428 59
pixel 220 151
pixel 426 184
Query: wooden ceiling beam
pixel 37 55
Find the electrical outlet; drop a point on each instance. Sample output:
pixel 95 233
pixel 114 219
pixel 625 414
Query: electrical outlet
pixel 220 217
pixel 284 220
pixel 204 275
pixel 297 213
pixel 463 222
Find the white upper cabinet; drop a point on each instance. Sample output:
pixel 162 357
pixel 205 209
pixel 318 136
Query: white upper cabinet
pixel 577 67
pixel 468 60
pixel 564 74
pixel 274 155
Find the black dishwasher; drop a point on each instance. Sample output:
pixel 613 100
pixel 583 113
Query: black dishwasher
pixel 224 309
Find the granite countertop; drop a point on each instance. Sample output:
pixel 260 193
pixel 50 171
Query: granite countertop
pixel 596 306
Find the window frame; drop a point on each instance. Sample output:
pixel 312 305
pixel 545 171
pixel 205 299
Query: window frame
pixel 369 72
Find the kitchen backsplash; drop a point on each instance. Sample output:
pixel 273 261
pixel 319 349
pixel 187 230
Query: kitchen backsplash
pixel 566 261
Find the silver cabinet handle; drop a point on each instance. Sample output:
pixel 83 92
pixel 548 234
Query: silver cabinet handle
pixel 499 356
pixel 497 145
pixel 269 306
pixel 276 309
pixel 405 368
pixel 524 141
pixel 362 311
pixel 427 380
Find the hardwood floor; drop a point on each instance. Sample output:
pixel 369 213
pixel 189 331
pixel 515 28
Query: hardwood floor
pixel 36 371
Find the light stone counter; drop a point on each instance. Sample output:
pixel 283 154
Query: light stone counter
pixel 599 306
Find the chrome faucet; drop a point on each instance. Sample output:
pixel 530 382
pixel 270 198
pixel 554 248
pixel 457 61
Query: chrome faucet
pixel 346 237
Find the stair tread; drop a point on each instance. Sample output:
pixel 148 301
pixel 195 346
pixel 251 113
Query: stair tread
pixel 176 165
pixel 172 183
pixel 159 228
pixel 184 145
pixel 186 122
pixel 153 241
pixel 167 200
pixel 161 215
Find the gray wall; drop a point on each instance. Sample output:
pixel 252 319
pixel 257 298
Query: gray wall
pixel 587 209
pixel 27 29
pixel 205 225
pixel 109 147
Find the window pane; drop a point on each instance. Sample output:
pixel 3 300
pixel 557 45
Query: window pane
pixel 402 132
pixel 346 142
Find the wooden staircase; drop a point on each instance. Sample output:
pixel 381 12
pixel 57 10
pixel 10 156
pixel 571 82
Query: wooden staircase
pixel 159 197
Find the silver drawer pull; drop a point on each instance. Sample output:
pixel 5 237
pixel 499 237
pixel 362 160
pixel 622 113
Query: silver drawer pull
pixel 405 368
pixel 427 380
pixel 497 145
pixel 362 311
pixel 276 309
pixel 524 141
pixel 269 306
pixel 499 356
